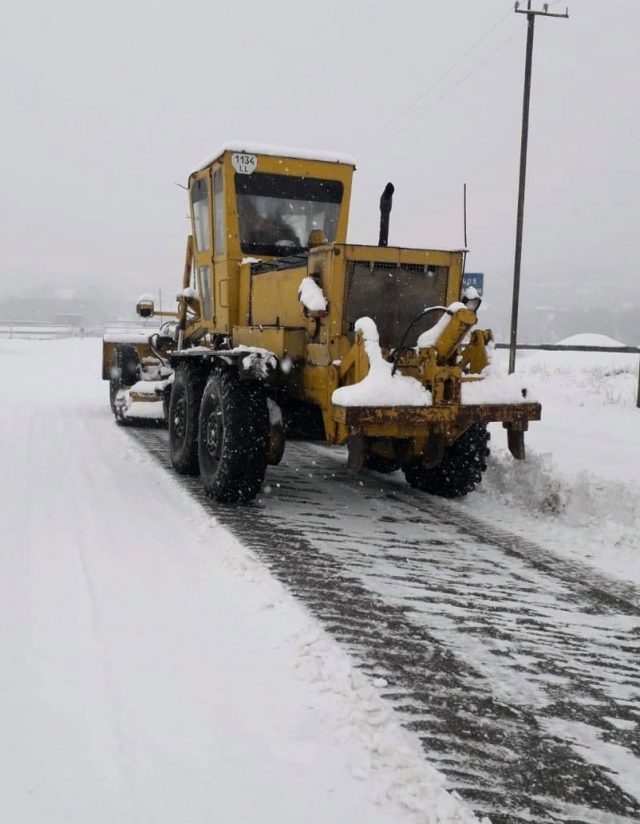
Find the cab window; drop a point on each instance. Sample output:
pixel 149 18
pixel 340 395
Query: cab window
pixel 277 213
pixel 204 289
pixel 200 206
pixel 218 199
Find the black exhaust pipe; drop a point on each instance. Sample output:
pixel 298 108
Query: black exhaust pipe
pixel 385 210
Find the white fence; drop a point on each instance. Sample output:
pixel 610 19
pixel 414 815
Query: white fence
pixel 37 330
pixel 559 347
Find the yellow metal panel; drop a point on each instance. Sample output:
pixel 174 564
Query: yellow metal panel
pixel 244 294
pixel 107 354
pixel 454 284
pixel 223 293
pixel 108 347
pixel 318 385
pixel 363 417
pixel 397 254
pixel 326 265
pixel 274 298
pixel 454 331
pixel 277 340
pixel 318 354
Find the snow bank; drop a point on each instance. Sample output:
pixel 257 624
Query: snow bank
pixel 496 386
pixel 492 388
pixel 380 387
pixel 311 295
pixel 589 339
pixel 582 516
pixel 578 491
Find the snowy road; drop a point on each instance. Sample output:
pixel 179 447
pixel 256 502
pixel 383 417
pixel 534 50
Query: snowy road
pixel 519 671
pixel 152 669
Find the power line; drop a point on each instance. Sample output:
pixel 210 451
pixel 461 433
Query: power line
pixel 433 85
pixel 442 97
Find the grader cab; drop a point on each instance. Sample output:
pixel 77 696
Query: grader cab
pixel 282 328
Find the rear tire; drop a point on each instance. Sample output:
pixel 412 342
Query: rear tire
pixel 461 467
pixel 114 388
pixel 233 437
pixel 124 372
pixel 184 407
pixel 378 463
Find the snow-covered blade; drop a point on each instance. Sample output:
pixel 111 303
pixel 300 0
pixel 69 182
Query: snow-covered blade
pixel 380 387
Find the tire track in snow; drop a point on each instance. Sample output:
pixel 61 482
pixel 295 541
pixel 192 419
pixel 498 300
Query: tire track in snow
pixel 507 662
pixel 77 467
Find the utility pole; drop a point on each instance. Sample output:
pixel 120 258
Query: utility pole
pixel 531 19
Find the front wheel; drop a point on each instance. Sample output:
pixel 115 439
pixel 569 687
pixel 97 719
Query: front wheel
pixel 461 467
pixel 233 437
pixel 184 406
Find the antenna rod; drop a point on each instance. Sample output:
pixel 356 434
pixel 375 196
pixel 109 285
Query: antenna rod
pixel 464 203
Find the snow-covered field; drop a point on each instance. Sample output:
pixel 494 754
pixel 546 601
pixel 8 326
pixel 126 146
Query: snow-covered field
pixel 151 669
pixel 578 492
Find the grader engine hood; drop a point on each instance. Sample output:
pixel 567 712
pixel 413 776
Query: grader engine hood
pixel 387 284
pixel 392 294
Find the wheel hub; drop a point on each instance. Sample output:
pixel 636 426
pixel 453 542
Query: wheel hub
pixel 179 418
pixel 213 434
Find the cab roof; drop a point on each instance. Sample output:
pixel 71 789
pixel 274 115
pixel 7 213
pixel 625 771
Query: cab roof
pixel 280 151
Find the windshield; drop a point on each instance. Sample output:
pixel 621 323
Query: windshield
pixel 276 213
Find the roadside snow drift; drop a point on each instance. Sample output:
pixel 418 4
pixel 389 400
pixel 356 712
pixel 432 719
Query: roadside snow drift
pixel 578 491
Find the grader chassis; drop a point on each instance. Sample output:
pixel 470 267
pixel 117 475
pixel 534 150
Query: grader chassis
pixel 270 323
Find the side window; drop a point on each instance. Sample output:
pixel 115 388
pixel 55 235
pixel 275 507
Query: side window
pixel 218 196
pixel 204 283
pixel 200 205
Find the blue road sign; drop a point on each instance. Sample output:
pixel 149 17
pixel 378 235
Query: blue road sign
pixel 473 279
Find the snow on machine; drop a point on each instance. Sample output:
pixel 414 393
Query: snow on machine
pixel 284 329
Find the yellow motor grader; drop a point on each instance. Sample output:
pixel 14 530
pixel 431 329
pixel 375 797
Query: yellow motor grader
pixel 283 329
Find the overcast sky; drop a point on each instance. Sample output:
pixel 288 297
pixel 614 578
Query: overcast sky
pixel 106 105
